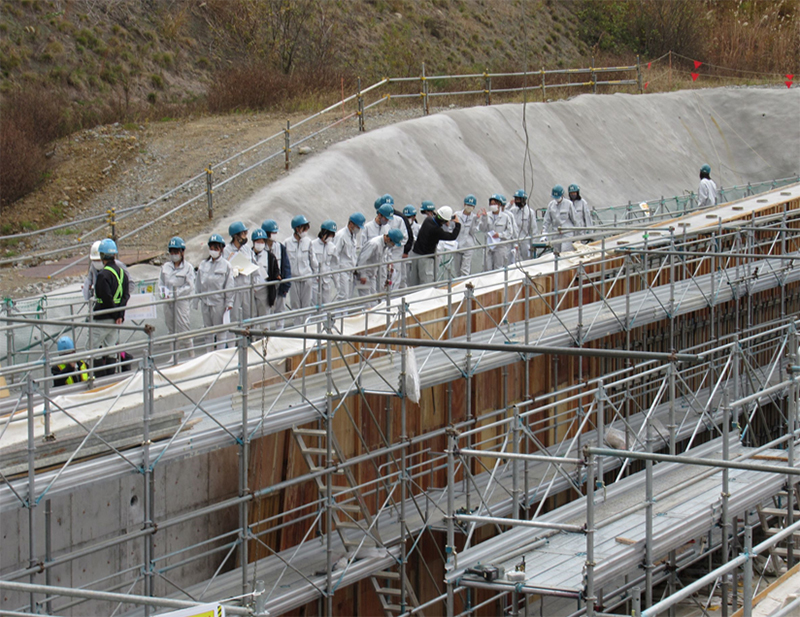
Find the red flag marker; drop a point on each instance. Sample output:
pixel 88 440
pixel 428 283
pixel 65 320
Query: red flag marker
pixel 788 84
pixel 695 76
pixel 697 64
pixel 790 76
pixel 648 64
pixel 647 83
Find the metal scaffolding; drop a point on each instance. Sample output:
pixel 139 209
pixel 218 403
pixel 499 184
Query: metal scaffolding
pixel 379 445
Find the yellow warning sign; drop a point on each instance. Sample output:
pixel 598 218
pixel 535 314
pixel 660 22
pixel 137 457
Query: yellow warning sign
pixel 201 610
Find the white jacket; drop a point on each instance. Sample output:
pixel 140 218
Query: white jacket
pixel 179 281
pixel 301 256
pixel 214 275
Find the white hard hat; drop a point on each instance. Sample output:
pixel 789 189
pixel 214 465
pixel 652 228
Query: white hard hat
pixel 94 253
pixel 444 212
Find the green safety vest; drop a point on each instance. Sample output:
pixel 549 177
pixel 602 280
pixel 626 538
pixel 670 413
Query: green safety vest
pixel 117 294
pixel 71 379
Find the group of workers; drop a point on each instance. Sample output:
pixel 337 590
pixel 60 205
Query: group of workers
pixel 391 250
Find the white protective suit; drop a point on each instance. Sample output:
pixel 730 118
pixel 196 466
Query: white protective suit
pixel 372 230
pixel 527 229
pixel 325 253
pixel 560 213
pixel 346 254
pixel 502 224
pixel 583 217
pixel 242 300
pixel 372 261
pixel 706 193
pixel 177 282
pixel 261 304
pixel 396 252
pixel 468 238
pixel 215 275
pixel 304 263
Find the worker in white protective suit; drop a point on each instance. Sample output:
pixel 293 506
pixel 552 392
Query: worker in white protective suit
pixel 325 253
pixel 304 264
pixel 268 272
pixel 707 191
pixel 525 221
pixel 237 252
pixel 95 265
pixel 468 237
pixel 500 228
pixel 374 269
pixel 175 282
pixel 400 223
pixel 270 227
pixel 560 215
pixel 583 213
pixel 379 225
pixel 215 279
pixel 346 243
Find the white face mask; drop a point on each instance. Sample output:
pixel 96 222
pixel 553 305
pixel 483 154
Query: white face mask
pixel 494 208
pixel 98 265
pixel 258 246
pixel 175 258
pixel 467 210
pixel 214 253
pixel 303 234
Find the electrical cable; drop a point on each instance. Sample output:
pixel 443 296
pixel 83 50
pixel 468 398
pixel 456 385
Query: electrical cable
pixel 526 159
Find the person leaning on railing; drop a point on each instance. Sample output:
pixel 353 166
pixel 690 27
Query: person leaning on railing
pixel 111 292
pixel 431 233
pixel 68 373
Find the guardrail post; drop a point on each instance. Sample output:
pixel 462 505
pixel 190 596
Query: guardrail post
pixel 487 87
pixel 544 97
pixel 424 92
pixel 9 303
pixel 210 191
pixel 594 78
pixel 286 144
pixel 112 223
pixel 360 108
pixel 639 75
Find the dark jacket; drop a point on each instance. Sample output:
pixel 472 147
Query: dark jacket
pixel 66 369
pixel 409 232
pixel 111 291
pixel 273 274
pixel 286 272
pixel 430 233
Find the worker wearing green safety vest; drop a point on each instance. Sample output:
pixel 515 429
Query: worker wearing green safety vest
pixel 68 373
pixel 111 292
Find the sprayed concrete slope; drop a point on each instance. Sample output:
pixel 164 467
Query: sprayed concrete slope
pixel 618 147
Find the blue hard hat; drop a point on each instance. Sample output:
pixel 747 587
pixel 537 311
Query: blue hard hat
pixel 216 239
pixel 409 210
pixel 558 191
pixel 176 243
pixel 65 344
pixel 573 188
pixel 706 169
pixel 378 202
pixel 498 198
pixel 358 219
pixel 329 226
pixel 387 211
pixel 470 200
pixel 427 206
pixel 388 199
pixel 270 226
pixel 299 221
pixel 108 247
pixel 236 228
pixel 396 236
pixel 521 193
pixel 258 234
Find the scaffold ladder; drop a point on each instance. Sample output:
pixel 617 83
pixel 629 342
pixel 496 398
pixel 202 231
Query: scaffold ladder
pixel 348 502
pixel 387 586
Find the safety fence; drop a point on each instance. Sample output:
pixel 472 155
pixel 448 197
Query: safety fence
pixel 643 278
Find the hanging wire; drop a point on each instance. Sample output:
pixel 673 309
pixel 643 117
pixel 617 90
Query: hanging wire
pixel 527 161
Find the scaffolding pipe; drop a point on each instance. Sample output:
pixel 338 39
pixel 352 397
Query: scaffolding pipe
pixel 702 462
pixel 509 348
pixel 512 522
pixel 106 596
pixel 541 458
